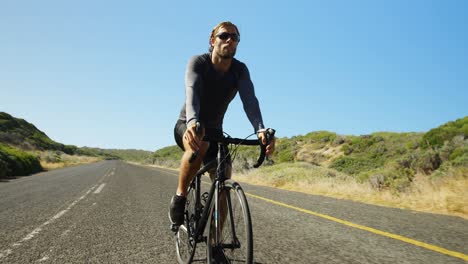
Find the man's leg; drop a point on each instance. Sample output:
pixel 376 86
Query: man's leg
pixel 186 173
pixel 187 169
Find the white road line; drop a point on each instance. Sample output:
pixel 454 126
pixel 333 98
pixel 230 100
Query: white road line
pixel 57 216
pixel 37 230
pixel 99 189
pixel 32 234
pixel 44 258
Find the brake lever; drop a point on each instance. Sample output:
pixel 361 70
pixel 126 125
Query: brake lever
pixel 270 133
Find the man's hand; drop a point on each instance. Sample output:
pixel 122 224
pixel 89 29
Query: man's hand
pixel 271 146
pixel 191 137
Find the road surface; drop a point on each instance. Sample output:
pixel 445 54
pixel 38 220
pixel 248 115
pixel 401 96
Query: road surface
pixel 115 212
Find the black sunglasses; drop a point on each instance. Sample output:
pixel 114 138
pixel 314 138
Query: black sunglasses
pixel 225 36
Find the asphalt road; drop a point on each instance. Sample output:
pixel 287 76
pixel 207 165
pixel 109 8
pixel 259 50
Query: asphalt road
pixel 114 212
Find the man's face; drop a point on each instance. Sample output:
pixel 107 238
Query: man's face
pixel 226 48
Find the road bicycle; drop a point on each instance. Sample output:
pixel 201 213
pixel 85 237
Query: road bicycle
pixel 221 217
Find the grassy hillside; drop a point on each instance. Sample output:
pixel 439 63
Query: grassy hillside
pixel 21 134
pixel 24 150
pixel 384 164
pixel 393 154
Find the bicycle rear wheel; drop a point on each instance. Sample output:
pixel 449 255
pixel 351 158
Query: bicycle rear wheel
pixel 235 243
pixel 185 241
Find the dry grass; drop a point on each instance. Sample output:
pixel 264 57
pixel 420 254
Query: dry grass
pixel 448 195
pixel 318 154
pixel 67 161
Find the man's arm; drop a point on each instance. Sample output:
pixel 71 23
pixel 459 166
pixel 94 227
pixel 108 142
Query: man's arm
pixel 193 84
pixel 249 100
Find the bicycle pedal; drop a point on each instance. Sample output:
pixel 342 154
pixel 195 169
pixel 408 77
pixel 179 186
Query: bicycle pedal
pixel 174 228
pixel 204 198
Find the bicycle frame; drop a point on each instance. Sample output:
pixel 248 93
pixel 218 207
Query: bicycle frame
pixel 221 211
pixel 220 164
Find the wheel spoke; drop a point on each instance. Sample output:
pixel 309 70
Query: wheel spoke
pixel 185 242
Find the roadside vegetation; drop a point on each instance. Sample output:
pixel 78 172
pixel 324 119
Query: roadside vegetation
pixel 25 150
pixel 167 157
pixel 16 162
pixel 423 171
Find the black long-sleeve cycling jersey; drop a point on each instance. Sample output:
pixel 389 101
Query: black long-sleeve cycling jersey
pixel 208 93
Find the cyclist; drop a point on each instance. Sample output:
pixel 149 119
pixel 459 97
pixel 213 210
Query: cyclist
pixel 211 81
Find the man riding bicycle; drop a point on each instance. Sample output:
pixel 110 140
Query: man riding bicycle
pixel 211 82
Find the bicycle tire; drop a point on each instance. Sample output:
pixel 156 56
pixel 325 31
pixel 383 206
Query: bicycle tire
pixel 185 241
pixel 238 250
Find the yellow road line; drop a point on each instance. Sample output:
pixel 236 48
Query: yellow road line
pixel 369 229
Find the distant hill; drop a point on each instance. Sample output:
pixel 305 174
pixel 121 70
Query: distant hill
pixel 135 155
pixel 21 145
pixel 24 135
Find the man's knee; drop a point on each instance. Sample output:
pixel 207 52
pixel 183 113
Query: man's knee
pixel 200 154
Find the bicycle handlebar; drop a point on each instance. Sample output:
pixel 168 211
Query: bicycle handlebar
pixel 270 134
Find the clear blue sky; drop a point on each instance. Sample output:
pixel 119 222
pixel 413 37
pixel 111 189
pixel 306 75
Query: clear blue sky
pixel 110 74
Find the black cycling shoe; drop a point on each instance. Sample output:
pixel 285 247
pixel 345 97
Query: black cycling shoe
pixel 176 210
pixel 218 255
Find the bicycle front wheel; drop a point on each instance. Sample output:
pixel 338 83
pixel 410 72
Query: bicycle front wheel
pixel 185 240
pixel 235 243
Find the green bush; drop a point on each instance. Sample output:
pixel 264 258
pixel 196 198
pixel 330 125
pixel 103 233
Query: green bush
pixel 15 162
pixel 399 180
pixel 428 162
pixel 168 156
pixel 70 149
pixel 320 137
pixel 459 152
pixel 391 177
pixel 285 150
pixel 461 160
pixel 436 137
pixel 3 166
pixel 354 165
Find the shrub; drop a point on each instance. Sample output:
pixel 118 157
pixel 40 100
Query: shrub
pixel 4 169
pixel 285 150
pixel 321 137
pixel 461 160
pixel 168 156
pixel 436 137
pixel 355 165
pixel 377 181
pixel 428 162
pixel 15 162
pixel 458 152
pixel 339 140
pixel 70 149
